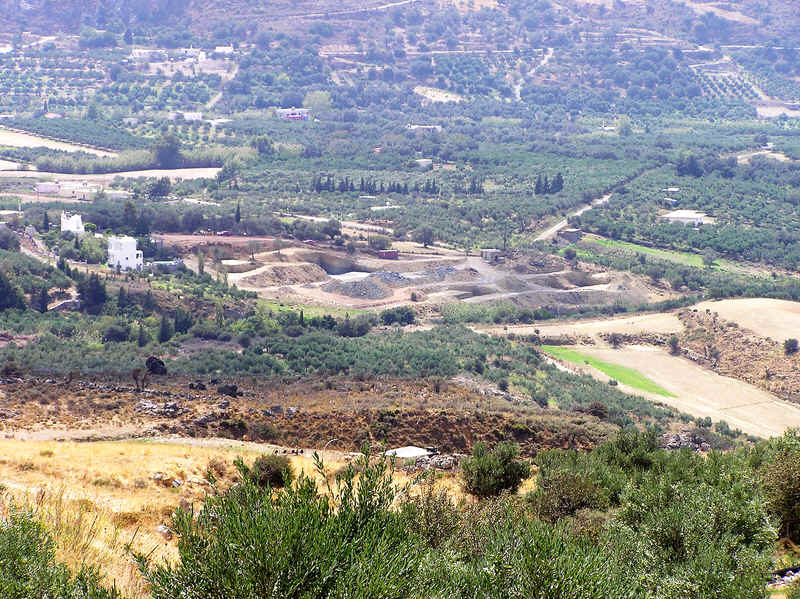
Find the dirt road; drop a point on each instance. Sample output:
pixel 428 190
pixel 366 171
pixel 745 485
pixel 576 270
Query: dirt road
pixel 562 224
pixel 665 323
pixel 19 139
pixel 174 174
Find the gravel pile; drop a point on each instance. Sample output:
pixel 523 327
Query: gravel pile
pixel 393 279
pixel 368 288
pixel 684 440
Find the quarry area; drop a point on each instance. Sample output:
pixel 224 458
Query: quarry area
pixel 321 275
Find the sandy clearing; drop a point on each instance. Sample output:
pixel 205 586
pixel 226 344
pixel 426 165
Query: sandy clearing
pixel 770 112
pixel 645 323
pixel 437 95
pixel 175 174
pixel 701 392
pixel 7 165
pixel 27 140
pixel 779 156
pixel 777 319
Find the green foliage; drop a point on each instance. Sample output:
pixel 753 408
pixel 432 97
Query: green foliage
pixel 790 346
pixel 167 152
pixel 402 315
pixel 8 240
pixel 10 295
pixel 486 473
pixel 30 570
pixel 781 480
pixel 346 543
pixel 268 471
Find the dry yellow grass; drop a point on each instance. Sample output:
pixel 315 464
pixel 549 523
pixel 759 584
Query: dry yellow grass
pixel 98 497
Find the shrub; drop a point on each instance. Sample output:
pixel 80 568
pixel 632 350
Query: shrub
pixel 781 481
pixel 561 493
pixel 490 473
pixel 117 332
pixel 346 542
pixel 8 240
pixel 790 346
pixel 29 568
pixel 272 470
pixel 431 514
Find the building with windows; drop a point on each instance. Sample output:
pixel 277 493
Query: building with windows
pixel 122 254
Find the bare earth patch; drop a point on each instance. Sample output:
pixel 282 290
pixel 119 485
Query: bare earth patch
pixel 174 174
pixel 437 95
pixel 632 325
pixel 701 392
pixel 27 140
pixel 773 318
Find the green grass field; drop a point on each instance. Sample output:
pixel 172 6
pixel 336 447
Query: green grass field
pixel 626 376
pixel 676 256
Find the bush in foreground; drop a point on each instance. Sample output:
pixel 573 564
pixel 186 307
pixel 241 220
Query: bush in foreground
pixel 268 471
pixel 29 570
pixel 488 473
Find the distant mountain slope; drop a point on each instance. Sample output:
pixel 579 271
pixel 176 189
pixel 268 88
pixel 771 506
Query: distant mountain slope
pixel 703 21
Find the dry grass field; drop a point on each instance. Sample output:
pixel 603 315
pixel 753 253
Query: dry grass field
pixel 98 497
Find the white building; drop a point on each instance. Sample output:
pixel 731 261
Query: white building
pixel 47 187
pixel 122 253
pixel 224 50
pixel 78 190
pixel 72 223
pixel 192 117
pixel 686 217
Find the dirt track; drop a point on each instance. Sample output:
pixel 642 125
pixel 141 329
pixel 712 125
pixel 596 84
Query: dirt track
pixel 631 325
pixel 181 173
pixel 27 140
pixel 701 392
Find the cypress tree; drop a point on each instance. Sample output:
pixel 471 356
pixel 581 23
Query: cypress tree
pixel 165 330
pixel 44 300
pixel 238 215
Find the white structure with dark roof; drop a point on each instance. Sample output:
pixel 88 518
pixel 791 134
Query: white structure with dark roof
pixel 122 253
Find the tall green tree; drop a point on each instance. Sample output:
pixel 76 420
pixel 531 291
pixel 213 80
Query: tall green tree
pixel 165 330
pixel 11 296
pixel 167 152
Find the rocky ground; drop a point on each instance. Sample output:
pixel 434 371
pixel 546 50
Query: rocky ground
pixel 340 414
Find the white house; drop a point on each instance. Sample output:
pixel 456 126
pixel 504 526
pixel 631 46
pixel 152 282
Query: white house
pixel 192 117
pixel 47 187
pixel 224 50
pixel 79 190
pixel 685 217
pixel 122 253
pixel 72 223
